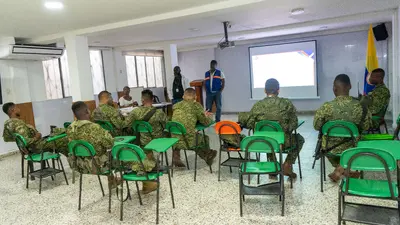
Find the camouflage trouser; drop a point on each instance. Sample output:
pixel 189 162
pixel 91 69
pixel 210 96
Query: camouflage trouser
pixel 203 143
pixel 149 163
pixel 61 146
pixel 334 160
pixel 86 165
pixel 292 153
pixel 231 139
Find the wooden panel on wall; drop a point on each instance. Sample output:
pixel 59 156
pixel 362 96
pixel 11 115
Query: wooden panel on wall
pixel 91 105
pixel 27 113
pixel 198 86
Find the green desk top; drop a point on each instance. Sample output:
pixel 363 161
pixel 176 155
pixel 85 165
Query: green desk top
pixel 201 127
pixel 392 146
pixel 278 136
pixel 54 138
pixel 300 122
pixel 124 139
pixel 161 144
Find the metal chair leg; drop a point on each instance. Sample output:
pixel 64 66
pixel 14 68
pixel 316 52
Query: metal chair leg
pixel 241 194
pixel 62 168
pixel 122 202
pixel 22 166
pixel 187 161
pixel 219 166
pixel 298 160
pixel 109 198
pixel 158 199
pixel 128 191
pixel 323 159
pixel 229 156
pixel 41 177
pixel 195 167
pixel 172 192
pixel 322 173
pixel 101 185
pixel 80 190
pixel 27 176
pixel 48 165
pixel 138 192
pixel 339 209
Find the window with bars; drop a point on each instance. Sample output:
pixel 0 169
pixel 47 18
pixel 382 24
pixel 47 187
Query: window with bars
pixel 96 66
pixel 144 71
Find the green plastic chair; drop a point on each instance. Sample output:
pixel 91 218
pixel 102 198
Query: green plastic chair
pixel 41 158
pixel 66 124
pixel 335 129
pixel 106 125
pixel 142 127
pixel 261 144
pixel 177 128
pixel 374 160
pixel 380 118
pixel 378 137
pixel 124 153
pixel 274 126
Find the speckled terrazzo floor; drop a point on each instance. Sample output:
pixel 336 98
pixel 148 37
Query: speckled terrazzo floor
pixel 206 201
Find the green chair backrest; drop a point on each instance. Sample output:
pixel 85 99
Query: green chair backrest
pixel 142 127
pixel 340 128
pixel 259 144
pixel 368 159
pixel 21 144
pixel 81 148
pixel 175 128
pixel 268 125
pixel 128 153
pixel 66 124
pixel 105 125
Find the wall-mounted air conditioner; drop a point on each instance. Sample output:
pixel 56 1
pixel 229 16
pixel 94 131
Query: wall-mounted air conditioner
pixel 29 52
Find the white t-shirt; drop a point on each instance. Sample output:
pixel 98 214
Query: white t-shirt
pixel 123 102
pixel 212 77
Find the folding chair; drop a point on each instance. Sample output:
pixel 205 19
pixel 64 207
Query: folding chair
pixel 377 137
pixel 133 153
pixel 261 144
pixel 229 128
pixel 368 159
pixel 106 126
pixel 139 127
pixel 42 158
pixel 335 129
pixel 380 118
pixel 178 129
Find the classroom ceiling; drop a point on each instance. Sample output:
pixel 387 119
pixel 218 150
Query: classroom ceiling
pixel 188 23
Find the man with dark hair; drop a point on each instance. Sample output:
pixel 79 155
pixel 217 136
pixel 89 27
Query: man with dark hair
pixel 157 119
pixel 85 130
pixel 189 113
pixel 277 109
pixel 107 112
pixel 214 83
pixel 378 99
pixel 33 138
pixel 179 84
pixel 343 107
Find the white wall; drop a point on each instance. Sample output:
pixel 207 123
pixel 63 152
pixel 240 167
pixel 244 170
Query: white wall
pixel 195 63
pixel 120 70
pixel 109 70
pixel 337 53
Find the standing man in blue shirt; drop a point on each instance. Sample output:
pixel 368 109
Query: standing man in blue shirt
pixel 214 82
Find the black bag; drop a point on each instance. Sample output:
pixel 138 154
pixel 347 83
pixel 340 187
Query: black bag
pixel 146 118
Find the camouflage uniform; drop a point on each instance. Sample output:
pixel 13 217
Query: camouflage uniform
pixel 96 136
pixel 189 113
pixel 158 122
pixel 17 126
pixel 276 109
pixel 341 108
pixel 108 113
pixel 378 100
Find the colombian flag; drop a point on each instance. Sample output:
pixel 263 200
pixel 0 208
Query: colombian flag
pixel 371 61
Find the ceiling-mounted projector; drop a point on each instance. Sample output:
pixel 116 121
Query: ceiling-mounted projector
pixel 226 43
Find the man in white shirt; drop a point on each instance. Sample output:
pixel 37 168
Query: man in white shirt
pixel 179 85
pixel 214 83
pixel 126 100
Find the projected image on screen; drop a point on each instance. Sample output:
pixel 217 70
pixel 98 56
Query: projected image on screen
pixel 290 68
pixel 294 65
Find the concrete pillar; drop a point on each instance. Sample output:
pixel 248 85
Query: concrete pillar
pixel 79 68
pixel 395 65
pixel 170 60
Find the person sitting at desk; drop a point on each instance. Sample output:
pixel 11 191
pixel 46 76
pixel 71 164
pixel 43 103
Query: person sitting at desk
pixel 107 112
pixel 33 138
pixel 276 109
pixel 343 107
pixel 126 100
pixel 100 139
pixel 189 113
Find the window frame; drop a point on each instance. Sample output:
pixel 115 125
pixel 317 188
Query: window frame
pixel 145 69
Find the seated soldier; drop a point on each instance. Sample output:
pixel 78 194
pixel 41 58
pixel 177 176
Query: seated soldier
pixel 84 129
pixel 343 107
pixel 14 125
pixel 277 109
pixel 157 119
pixel 189 113
pixel 378 99
pixel 107 112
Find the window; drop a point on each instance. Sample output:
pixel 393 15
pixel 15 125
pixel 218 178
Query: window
pixel 96 65
pixel 144 71
pixel 57 81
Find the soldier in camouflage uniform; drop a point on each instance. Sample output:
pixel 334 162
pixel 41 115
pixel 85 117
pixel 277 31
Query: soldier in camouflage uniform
pixel 157 121
pixel 378 99
pixel 189 112
pixel 84 129
pixel 343 107
pixel 14 125
pixel 276 109
pixel 107 112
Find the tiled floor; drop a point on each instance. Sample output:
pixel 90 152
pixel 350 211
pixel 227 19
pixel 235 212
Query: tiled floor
pixel 206 201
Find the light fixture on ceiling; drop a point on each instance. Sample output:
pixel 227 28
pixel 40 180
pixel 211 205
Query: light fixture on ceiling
pixel 194 29
pixel 54 5
pixel 297 11
pixel 323 27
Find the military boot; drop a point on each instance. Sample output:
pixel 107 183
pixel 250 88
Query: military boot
pixel 176 155
pixel 149 186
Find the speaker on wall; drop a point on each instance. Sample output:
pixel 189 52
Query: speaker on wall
pixel 380 32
